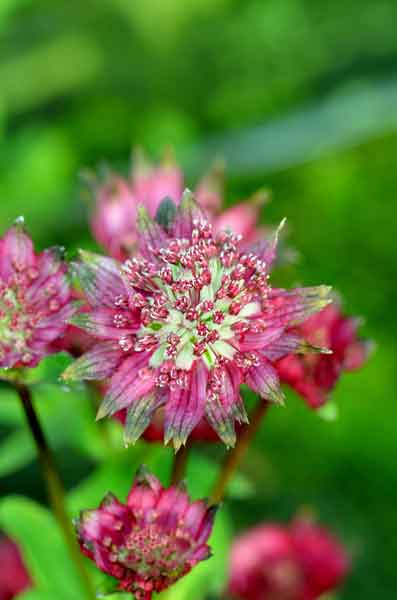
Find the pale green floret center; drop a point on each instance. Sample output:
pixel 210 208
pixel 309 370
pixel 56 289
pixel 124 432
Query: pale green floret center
pixel 187 329
pixel 12 332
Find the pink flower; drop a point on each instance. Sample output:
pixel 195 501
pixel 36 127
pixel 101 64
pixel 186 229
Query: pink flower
pixel 274 562
pixel 184 325
pixel 35 300
pixel 150 542
pixel 14 577
pixel 113 221
pixel 314 376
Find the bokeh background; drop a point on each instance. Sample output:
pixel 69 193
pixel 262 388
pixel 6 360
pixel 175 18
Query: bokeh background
pixel 298 96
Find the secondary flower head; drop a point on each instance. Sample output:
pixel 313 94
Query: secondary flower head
pixel 314 376
pixel 116 202
pixel 186 323
pixel 150 542
pixel 35 300
pixel 14 577
pixel 274 562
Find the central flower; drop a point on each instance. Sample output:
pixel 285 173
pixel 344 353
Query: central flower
pixel 184 323
pixel 195 303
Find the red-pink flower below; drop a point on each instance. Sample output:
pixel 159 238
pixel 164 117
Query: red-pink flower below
pixel 150 542
pixel 35 300
pixel 14 577
pixel 114 216
pixel 184 325
pixel 314 376
pixel 301 561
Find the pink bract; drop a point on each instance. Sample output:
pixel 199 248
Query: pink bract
pixel 314 376
pixel 276 562
pixel 150 542
pixel 183 325
pixel 35 300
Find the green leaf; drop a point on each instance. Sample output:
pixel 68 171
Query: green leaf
pixel 16 451
pixel 202 473
pixel 35 595
pixel 43 548
pixel 117 475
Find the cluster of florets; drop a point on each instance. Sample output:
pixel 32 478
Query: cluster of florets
pixel 301 561
pixel 35 300
pixel 186 323
pixel 150 542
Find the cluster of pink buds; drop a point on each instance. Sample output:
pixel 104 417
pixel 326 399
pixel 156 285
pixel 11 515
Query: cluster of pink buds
pixel 150 542
pixel 301 561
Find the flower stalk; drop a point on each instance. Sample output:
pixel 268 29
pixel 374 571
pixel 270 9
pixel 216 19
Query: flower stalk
pixel 179 464
pixel 55 488
pixel 236 455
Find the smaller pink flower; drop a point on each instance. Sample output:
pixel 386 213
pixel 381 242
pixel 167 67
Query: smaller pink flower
pixel 150 542
pixel 276 562
pixel 314 376
pixel 35 300
pixel 14 577
pixel 114 218
pixel 242 218
pixel 113 221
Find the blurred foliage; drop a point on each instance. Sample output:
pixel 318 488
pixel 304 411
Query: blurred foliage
pixel 299 96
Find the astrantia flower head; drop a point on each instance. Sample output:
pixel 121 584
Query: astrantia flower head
pixel 186 323
pixel 314 376
pixel 150 542
pixel 275 562
pixel 116 202
pixel 35 300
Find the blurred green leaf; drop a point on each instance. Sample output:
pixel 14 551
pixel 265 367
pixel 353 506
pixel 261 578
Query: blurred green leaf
pixel 43 548
pixel 202 473
pixel 35 595
pixel 16 450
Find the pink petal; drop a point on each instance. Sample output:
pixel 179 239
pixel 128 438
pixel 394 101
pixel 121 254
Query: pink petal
pixel 100 279
pixel 185 407
pixel 132 380
pixel 96 364
pixel 102 323
pixel 265 382
pixel 187 213
pixel 16 252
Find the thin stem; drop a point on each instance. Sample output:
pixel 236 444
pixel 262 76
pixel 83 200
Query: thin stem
pixel 235 456
pixel 179 465
pixel 55 488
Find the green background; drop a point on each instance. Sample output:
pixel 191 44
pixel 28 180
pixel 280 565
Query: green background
pixel 298 96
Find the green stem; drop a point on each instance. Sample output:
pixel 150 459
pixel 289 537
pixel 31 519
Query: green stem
pixel 235 456
pixel 179 465
pixel 55 488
